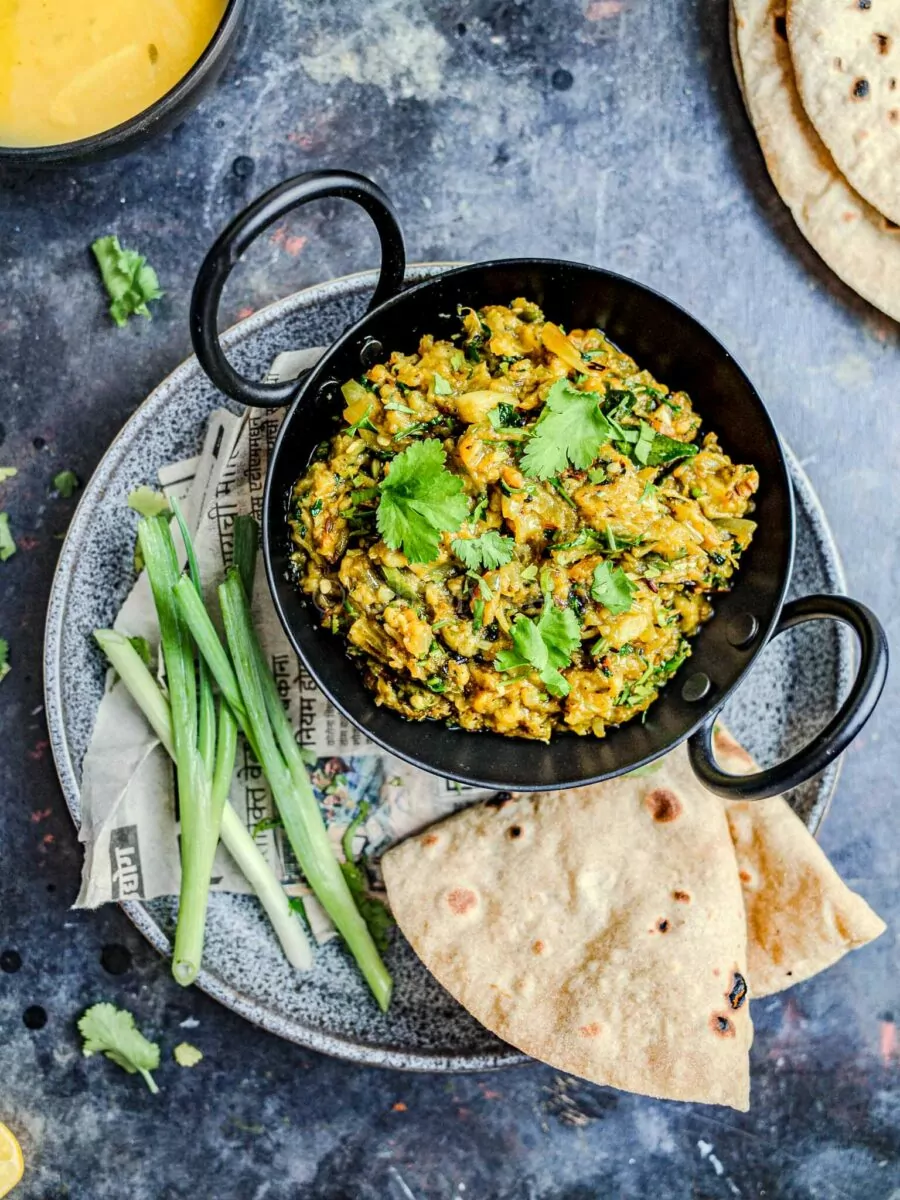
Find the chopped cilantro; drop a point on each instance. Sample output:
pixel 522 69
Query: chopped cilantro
pixel 441 386
pixel 487 552
pixel 187 1055
pixel 546 645
pixel 111 1031
pixel 129 281
pixel 505 416
pixel 484 588
pixel 4 658
pixel 457 360
pixel 570 431
pixel 650 489
pixel 479 509
pixel 612 588
pixel 529 574
pixel 362 423
pixel 65 483
pixel 478 614
pixel 7 542
pixel 597 475
pixel 420 500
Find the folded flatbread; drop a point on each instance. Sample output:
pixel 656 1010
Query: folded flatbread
pixel 600 930
pixel 801 916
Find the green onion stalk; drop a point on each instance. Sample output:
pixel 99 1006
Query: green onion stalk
pixel 146 693
pixel 199 826
pixel 252 695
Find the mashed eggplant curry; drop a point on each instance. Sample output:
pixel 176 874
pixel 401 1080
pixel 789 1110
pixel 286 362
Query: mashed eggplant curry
pixel 518 529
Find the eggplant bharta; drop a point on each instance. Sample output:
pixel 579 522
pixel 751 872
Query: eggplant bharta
pixel 518 529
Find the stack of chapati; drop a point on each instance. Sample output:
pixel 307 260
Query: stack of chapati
pixel 821 82
pixel 618 931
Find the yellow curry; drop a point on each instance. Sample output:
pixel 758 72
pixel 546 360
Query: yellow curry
pixel 518 529
pixel 71 68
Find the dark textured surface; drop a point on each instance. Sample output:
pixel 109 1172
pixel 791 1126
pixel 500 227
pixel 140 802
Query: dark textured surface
pixel 645 163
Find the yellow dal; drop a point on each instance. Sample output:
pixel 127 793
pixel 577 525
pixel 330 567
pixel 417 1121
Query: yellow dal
pixel 71 68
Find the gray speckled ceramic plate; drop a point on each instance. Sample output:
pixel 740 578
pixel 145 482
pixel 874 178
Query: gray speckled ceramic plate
pixel 789 695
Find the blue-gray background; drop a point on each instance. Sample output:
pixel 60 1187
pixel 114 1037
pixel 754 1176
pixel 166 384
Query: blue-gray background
pixel 609 131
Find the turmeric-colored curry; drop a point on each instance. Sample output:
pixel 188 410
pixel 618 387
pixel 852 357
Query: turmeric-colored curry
pixel 518 529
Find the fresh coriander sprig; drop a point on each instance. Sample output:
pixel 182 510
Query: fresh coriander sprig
pixel 546 645
pixel 612 588
pixel 485 553
pixel 419 500
pixel 570 432
pixel 111 1031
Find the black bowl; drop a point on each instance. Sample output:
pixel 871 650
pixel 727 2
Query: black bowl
pixel 675 348
pixel 166 112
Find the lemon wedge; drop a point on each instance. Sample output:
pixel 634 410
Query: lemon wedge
pixel 12 1164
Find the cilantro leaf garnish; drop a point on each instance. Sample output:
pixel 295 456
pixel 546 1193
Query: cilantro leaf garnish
pixel 570 431
pixel 612 588
pixel 4 658
pixel 419 500
pixel 187 1055
pixel 546 645
pixel 486 553
pixel 111 1031
pixel 441 386
pixel 65 483
pixel 128 280
pixel 7 542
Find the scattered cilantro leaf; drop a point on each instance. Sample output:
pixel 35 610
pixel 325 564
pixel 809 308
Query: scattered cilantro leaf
pixel 147 502
pixel 187 1055
pixel 66 483
pixel 487 552
pixel 597 475
pixel 612 588
pixel 441 386
pixel 111 1031
pixel 570 431
pixel 530 573
pixel 7 542
pixel 420 500
pixel 129 281
pixel 375 914
pixel 4 658
pixel 7 473
pixel 546 645
pixel 478 614
pixel 457 360
pixel 650 489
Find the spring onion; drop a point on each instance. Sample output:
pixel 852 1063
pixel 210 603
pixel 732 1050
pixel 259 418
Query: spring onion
pixel 145 691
